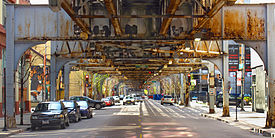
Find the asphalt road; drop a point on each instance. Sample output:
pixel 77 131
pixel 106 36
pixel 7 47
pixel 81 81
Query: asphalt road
pixel 148 120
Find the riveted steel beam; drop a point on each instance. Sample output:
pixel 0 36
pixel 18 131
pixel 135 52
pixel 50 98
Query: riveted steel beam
pixel 113 12
pixel 170 11
pixel 69 10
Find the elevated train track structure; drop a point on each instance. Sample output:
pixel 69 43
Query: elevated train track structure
pixel 133 37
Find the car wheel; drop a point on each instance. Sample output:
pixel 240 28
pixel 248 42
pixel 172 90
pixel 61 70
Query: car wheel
pixel 171 103
pixel 123 103
pixel 79 118
pixel 97 106
pixel 62 125
pixel 76 118
pixel 220 104
pixel 88 116
pixel 33 128
pixel 161 103
pixel 93 105
pixel 133 103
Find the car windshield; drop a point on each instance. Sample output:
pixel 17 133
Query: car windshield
pixel 43 107
pixel 69 104
pixel 129 97
pixel 105 99
pixel 82 104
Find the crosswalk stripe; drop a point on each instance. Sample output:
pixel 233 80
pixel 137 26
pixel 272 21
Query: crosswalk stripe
pixel 159 110
pixel 144 109
pixel 148 104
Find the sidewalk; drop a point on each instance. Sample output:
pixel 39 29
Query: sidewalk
pixel 248 120
pixel 20 128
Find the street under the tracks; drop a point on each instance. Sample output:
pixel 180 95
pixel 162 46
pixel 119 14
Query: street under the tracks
pixel 148 120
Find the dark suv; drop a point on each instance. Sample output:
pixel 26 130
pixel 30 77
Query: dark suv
pixel 73 110
pixel 93 103
pixel 50 114
pixel 232 100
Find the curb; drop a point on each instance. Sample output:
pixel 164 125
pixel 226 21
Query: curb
pixel 256 130
pixel 12 132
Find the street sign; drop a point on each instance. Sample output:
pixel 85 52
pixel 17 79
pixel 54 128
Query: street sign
pixel 239 78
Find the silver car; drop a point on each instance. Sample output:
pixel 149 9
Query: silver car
pixel 167 99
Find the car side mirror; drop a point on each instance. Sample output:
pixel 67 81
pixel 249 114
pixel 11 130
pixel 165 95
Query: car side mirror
pixel 65 108
pixel 78 106
pixel 33 110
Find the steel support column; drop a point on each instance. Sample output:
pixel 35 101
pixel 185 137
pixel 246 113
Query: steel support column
pixel 270 120
pixel 10 72
pixel 182 88
pixel 225 72
pixel 67 69
pixel 53 71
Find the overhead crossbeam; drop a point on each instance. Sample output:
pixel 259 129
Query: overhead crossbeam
pixel 113 12
pixel 170 11
pixel 69 10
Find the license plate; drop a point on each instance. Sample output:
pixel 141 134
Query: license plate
pixel 45 122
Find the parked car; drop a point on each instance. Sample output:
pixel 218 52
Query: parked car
pixel 139 99
pixel 107 101
pixel 232 100
pixel 121 97
pixel 150 96
pixel 128 100
pixel 50 114
pixel 73 110
pixel 93 103
pixel 112 100
pixel 116 99
pixel 167 99
pixel 85 109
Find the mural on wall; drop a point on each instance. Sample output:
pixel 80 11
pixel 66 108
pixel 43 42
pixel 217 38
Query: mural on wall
pixel 37 82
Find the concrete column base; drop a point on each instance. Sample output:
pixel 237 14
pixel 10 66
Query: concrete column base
pixel 211 111
pixel 11 122
pixel 225 112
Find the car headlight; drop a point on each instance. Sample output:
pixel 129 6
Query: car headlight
pixel 34 117
pixel 58 116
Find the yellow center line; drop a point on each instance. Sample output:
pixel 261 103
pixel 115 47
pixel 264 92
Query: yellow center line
pixel 140 135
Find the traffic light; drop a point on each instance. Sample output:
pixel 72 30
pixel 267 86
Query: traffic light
pixel 87 77
pixel 189 78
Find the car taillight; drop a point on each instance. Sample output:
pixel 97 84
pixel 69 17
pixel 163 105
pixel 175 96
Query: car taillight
pixel 162 99
pixel 171 99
